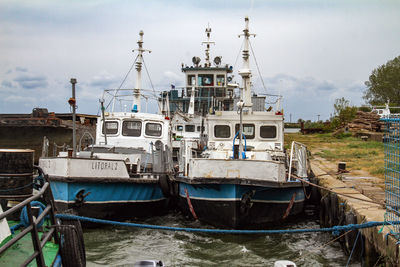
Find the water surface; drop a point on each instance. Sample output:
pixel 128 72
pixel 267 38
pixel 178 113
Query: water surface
pixel 122 246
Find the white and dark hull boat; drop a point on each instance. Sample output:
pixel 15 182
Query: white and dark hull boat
pixel 103 188
pixel 233 205
pixel 243 178
pixel 243 193
pixel 121 175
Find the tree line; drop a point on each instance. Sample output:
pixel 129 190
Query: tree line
pixel 383 86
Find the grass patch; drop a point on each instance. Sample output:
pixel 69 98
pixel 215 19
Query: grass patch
pixel 378 171
pixel 358 154
pixel 365 145
pixel 343 135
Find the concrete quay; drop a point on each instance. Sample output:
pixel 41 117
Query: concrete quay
pixel 379 247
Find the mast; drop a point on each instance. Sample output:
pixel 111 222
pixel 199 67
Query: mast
pixel 245 71
pixel 139 61
pixel 191 103
pixel 208 42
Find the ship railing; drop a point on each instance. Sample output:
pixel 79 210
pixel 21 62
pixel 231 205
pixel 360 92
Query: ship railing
pixel 56 148
pixel 88 142
pixel 34 223
pixel 205 91
pixel 88 136
pixel 298 163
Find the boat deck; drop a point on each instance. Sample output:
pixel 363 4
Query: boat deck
pixel 20 251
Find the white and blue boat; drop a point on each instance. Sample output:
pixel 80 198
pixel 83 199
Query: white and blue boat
pixel 119 176
pixel 244 177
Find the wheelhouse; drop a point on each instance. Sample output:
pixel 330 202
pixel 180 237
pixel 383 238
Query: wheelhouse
pixel 261 131
pixel 132 130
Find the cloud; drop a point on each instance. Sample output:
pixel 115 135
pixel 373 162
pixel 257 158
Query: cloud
pixel 103 80
pixel 31 81
pixel 312 52
pixel 308 97
pixel 6 83
pixel 170 77
pixel 21 69
pixel 20 99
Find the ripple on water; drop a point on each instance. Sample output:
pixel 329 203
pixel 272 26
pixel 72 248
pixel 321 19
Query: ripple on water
pixel 118 246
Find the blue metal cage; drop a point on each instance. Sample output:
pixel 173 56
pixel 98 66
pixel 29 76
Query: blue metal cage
pixel 392 173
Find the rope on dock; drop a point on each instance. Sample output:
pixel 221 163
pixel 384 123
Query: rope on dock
pixel 335 229
pixel 342 194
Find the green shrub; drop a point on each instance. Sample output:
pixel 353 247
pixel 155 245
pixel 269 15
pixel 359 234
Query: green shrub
pixel 343 135
pixel 365 109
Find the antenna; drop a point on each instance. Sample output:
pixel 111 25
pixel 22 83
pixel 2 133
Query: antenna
pixel 208 42
pixel 245 71
pixel 138 66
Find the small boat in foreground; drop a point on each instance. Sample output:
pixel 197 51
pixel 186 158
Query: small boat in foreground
pixel 243 178
pixel 30 234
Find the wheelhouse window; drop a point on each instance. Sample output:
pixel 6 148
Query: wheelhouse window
pixel 222 131
pixel 221 80
pixel 268 131
pixel 190 128
pixel 206 80
pixel 248 130
pixel 179 128
pixel 111 127
pixel 132 128
pixel 153 129
pixel 191 80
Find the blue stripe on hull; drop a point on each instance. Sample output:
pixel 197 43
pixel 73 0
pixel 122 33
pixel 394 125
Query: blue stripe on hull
pixel 107 192
pixel 235 206
pixel 233 192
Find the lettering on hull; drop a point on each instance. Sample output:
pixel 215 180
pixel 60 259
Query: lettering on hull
pixel 103 165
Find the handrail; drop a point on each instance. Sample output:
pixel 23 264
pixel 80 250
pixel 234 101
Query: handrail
pixel 291 158
pixel 24 203
pixel 32 228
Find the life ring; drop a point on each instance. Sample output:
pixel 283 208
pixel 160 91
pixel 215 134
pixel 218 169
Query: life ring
pixel 72 246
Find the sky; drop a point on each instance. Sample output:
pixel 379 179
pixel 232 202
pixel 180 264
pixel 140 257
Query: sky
pixel 310 52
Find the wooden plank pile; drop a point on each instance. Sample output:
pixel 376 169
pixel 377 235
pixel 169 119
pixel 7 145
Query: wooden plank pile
pixel 365 121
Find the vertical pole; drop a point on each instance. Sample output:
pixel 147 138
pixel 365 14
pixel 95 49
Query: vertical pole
pixel 104 121
pixel 73 104
pixel 241 134
pixel 245 72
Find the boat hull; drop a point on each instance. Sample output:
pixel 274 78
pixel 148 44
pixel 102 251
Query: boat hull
pixel 108 200
pixel 238 205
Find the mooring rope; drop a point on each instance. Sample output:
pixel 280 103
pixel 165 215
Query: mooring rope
pixel 335 229
pixel 354 246
pixel 342 194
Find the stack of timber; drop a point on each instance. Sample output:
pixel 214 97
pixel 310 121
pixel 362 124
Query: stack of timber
pixel 365 122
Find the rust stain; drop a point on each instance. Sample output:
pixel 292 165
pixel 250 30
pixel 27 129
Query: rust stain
pixel 208 175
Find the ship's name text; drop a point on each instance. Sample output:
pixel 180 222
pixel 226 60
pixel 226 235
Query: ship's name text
pixel 101 165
